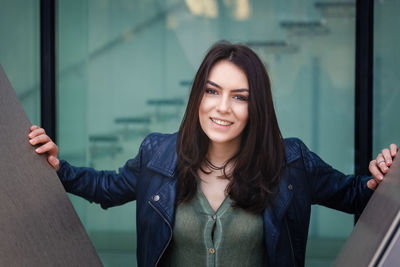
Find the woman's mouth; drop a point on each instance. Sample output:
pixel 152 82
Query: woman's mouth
pixel 221 122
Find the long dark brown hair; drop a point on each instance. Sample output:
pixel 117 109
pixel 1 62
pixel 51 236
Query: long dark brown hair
pixel 261 159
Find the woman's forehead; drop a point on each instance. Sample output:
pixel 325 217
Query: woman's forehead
pixel 226 74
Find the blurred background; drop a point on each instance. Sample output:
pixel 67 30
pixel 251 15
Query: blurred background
pixel 124 69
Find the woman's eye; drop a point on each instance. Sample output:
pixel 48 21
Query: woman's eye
pixel 240 97
pixel 211 91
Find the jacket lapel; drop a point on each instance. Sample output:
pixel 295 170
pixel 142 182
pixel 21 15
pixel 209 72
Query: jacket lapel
pixel 166 201
pixel 164 162
pixel 273 216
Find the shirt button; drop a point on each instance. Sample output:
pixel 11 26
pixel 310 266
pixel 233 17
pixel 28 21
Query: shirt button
pixel 156 198
pixel 211 250
pixel 214 217
pixel 290 187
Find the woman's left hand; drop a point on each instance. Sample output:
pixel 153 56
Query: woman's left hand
pixel 380 166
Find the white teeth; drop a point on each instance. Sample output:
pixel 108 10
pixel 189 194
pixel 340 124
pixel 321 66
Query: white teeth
pixel 224 123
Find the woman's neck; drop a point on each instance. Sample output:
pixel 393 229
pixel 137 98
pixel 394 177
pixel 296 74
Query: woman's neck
pixel 219 153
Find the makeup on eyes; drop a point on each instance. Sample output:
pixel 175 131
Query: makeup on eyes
pixel 240 97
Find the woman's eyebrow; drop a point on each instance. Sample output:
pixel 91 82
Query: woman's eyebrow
pixel 214 84
pixel 234 90
pixel 240 90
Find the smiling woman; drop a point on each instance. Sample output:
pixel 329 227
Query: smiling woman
pixel 223 109
pixel 227 189
pixel 229 117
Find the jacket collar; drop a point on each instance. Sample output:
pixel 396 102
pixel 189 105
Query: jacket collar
pixel 165 158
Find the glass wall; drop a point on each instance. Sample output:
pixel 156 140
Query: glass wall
pixel 125 69
pixel 19 51
pixel 386 74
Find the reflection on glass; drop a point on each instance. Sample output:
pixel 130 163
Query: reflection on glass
pixel 125 70
pixel 386 79
pixel 19 52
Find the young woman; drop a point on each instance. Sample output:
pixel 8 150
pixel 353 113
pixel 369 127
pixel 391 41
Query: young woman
pixel 227 189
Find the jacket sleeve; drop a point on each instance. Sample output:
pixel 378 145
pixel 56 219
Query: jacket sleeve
pixel 331 188
pixel 108 188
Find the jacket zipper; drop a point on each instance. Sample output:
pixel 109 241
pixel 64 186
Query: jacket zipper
pixel 291 244
pixel 170 235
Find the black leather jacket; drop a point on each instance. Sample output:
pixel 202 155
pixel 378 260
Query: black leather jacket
pixel 150 179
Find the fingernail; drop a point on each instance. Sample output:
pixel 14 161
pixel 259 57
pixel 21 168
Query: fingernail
pixel 380 177
pixel 37 150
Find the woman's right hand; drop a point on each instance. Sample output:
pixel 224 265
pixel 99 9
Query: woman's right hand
pixel 38 136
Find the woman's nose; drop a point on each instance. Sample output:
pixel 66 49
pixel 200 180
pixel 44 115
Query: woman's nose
pixel 223 105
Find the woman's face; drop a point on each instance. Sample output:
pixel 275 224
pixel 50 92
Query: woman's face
pixel 223 110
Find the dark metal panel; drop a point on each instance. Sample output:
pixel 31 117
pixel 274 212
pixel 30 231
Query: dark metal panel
pixel 48 66
pixel 363 85
pixel 375 238
pixel 38 225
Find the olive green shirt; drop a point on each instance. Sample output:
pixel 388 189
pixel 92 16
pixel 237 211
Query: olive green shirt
pixel 228 237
